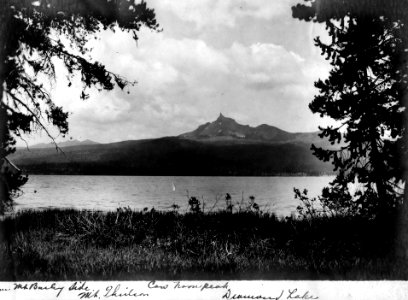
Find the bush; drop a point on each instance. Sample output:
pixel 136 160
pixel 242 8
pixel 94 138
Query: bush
pixel 328 205
pixel 12 183
pixel 194 204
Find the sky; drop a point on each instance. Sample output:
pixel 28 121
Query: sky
pixel 247 59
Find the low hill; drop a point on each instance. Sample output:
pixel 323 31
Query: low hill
pixel 65 144
pixel 173 156
pixel 223 147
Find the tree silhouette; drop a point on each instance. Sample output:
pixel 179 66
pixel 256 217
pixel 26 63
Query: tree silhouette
pixel 363 93
pixel 366 93
pixel 31 40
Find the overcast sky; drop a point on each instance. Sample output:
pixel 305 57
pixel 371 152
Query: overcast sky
pixel 248 59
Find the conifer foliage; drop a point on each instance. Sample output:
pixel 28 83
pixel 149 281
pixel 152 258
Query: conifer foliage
pixel 365 93
pixel 33 35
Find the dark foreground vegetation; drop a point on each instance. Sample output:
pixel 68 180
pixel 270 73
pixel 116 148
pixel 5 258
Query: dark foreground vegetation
pixel 70 244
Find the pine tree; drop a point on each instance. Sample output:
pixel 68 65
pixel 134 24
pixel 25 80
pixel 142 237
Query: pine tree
pixel 364 94
pixel 31 39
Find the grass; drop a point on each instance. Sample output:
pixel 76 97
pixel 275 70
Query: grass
pixel 84 245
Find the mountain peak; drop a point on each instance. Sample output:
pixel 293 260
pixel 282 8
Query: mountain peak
pixel 224 120
pixel 227 129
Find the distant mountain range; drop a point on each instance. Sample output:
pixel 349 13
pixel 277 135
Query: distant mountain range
pixel 64 144
pixel 227 129
pixel 220 148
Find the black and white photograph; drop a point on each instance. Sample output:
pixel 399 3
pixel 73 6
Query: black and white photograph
pixel 193 146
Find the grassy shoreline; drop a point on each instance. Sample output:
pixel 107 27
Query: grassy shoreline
pixel 131 245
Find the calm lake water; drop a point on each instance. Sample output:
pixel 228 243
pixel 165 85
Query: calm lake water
pixel 273 194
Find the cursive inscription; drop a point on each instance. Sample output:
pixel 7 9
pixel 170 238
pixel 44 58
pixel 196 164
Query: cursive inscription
pixel 83 290
pixel 201 287
pixel 230 295
pixel 79 286
pixel 294 294
pixel 89 294
pixel 119 291
pixel 291 294
pixel 154 285
pixel 40 287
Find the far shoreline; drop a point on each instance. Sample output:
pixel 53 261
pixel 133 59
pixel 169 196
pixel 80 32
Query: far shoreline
pixel 167 175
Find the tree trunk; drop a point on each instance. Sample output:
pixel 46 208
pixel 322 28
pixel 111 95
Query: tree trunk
pixel 378 171
pixel 4 32
pixel 402 226
pixel 376 160
pixel 3 133
pixel 402 222
pixel 401 245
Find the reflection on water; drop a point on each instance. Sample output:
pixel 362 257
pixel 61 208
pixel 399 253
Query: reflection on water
pixel 273 194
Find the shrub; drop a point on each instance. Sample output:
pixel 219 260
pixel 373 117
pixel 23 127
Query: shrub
pixel 253 206
pixel 228 202
pixel 328 205
pixel 194 204
pixel 13 183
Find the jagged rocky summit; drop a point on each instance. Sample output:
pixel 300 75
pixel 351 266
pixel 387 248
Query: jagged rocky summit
pixel 224 128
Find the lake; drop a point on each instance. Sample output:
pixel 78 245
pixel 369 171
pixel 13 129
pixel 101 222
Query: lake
pixel 273 194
